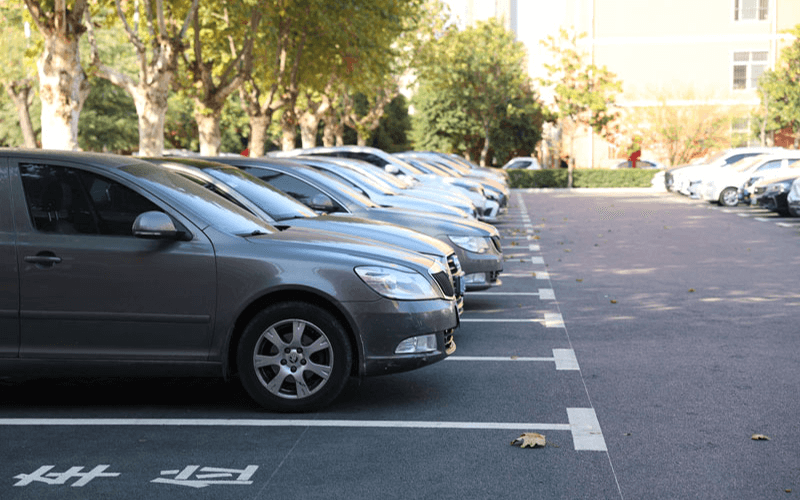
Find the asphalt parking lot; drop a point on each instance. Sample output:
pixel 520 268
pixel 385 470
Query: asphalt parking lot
pixel 645 335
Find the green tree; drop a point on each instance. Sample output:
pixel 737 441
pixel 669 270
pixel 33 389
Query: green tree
pixel 471 85
pixel 63 84
pixel 218 62
pixel 584 92
pixel 780 89
pixel 108 120
pixel 147 73
pixel 18 79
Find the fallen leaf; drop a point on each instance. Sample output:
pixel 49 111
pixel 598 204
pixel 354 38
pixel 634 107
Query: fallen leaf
pixel 536 237
pixel 578 280
pixel 514 243
pixel 691 290
pixel 529 440
pixel 613 301
pixel 567 250
pixel 759 437
pixel 514 357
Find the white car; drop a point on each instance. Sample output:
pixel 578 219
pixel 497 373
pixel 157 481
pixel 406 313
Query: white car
pixel 522 163
pixel 793 199
pixel 680 178
pixel 726 185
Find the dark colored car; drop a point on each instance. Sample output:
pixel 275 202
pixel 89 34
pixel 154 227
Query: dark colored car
pixel 281 210
pixel 114 265
pixel 773 196
pixel 477 244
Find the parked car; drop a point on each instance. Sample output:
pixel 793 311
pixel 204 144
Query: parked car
pixel 793 199
pixel 114 264
pixel 494 181
pixel 377 185
pixel 725 185
pixel 281 211
pixel 486 204
pixel 679 178
pixel 522 163
pixel 639 164
pixel 772 193
pixel 381 159
pixel 477 244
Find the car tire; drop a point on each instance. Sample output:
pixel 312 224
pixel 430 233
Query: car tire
pixel 294 357
pixel 729 197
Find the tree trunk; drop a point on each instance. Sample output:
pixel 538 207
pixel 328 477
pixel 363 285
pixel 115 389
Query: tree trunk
pixel 63 89
pixel 288 130
pixel 208 126
pixel 309 124
pixel 259 125
pixel 151 110
pixel 485 149
pixel 20 94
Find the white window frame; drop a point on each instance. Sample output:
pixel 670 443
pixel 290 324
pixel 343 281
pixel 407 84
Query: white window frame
pixel 737 10
pixel 750 83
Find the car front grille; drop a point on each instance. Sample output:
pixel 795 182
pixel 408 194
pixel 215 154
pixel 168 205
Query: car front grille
pixel 443 280
pixel 496 241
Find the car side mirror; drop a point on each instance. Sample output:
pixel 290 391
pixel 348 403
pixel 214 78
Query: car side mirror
pixel 155 225
pixel 392 169
pixel 322 203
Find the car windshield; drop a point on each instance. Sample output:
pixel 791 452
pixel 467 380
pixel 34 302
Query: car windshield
pixel 212 208
pixel 745 163
pixel 277 204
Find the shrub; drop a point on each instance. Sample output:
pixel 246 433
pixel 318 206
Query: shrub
pixel 582 178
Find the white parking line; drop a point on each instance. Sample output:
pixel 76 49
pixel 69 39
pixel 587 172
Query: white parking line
pixel 539 275
pixel 537 260
pixel 583 424
pixel 586 433
pixel 553 320
pixel 547 294
pixel 564 359
pixel 533 248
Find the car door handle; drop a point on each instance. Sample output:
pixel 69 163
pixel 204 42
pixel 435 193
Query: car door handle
pixel 43 259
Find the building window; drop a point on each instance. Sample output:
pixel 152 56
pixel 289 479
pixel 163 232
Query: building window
pixel 750 10
pixel 748 68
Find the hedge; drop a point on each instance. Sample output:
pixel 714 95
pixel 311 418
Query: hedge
pixel 582 178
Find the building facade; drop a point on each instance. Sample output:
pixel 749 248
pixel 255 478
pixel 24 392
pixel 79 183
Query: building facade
pixel 665 52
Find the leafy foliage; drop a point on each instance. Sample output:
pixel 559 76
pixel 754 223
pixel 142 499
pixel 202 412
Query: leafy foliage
pixel 780 89
pixel 473 90
pixel 108 120
pixel 583 178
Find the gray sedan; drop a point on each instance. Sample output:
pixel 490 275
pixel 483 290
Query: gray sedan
pixel 477 244
pixel 113 265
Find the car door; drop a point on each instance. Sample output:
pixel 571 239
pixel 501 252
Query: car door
pixel 89 288
pixel 9 277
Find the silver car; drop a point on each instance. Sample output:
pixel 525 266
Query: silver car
pixel 114 265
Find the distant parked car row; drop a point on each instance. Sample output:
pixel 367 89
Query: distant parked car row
pixel 292 274
pixel 755 176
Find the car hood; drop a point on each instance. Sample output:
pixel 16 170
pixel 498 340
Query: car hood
pixel 431 224
pixel 374 230
pixel 316 245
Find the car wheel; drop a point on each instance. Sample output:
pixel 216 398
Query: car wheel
pixel 729 197
pixel 294 357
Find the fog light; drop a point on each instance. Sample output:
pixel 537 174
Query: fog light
pixel 475 279
pixel 421 343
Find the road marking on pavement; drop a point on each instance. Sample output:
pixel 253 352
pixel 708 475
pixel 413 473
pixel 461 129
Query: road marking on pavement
pixel 543 293
pixel 533 248
pixel 537 260
pixel 539 275
pixel 785 224
pixel 564 359
pixel 553 320
pixel 583 424
pixel 586 433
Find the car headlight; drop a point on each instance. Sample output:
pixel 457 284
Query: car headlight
pixel 476 244
pixel 781 187
pixel 398 284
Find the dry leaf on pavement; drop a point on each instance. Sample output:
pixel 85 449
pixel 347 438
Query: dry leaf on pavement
pixel 530 440
pixel 759 437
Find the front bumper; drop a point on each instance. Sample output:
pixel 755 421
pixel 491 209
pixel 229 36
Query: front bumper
pixel 383 324
pixel 489 265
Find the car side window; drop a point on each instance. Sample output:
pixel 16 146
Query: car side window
pixel 295 188
pixel 770 165
pixel 64 200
